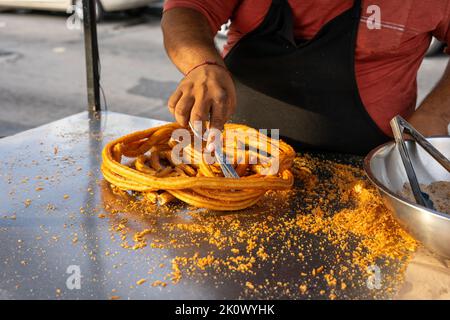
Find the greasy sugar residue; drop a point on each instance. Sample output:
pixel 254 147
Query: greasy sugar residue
pixel 318 240
pixel 363 215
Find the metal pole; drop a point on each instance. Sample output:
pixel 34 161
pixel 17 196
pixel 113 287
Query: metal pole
pixel 92 56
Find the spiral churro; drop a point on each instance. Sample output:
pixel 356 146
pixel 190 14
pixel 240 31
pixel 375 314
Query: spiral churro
pixel 262 163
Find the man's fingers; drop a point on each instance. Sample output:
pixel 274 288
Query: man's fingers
pixel 183 110
pixel 218 117
pixel 220 104
pixel 201 109
pixel 231 104
pixel 173 100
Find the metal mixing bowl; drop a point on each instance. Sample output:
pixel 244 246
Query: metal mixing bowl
pixel 384 168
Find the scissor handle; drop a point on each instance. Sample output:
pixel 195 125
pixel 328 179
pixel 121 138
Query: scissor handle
pixel 398 124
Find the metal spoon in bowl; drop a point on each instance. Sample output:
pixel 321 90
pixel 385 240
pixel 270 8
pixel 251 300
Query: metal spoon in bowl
pixel 399 126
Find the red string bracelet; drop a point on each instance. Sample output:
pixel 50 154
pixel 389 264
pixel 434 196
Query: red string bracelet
pixel 212 63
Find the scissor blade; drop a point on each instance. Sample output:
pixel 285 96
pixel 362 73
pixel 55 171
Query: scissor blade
pixel 227 169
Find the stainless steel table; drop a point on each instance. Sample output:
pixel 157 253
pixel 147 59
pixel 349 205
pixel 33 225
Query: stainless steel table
pixel 50 199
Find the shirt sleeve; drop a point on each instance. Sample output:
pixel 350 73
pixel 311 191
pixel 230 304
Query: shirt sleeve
pixel 216 11
pixel 442 31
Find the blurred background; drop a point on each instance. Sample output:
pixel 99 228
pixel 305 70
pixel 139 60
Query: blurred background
pixel 42 66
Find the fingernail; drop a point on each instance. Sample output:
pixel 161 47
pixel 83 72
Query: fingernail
pixel 210 147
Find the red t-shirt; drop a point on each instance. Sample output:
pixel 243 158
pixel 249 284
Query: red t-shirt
pixel 389 50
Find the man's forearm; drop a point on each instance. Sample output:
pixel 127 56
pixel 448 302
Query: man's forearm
pixel 433 115
pixel 188 38
pixel 208 93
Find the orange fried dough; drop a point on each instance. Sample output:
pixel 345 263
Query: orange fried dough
pixel 154 173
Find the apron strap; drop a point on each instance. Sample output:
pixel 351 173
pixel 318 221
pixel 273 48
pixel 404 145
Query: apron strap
pixel 357 6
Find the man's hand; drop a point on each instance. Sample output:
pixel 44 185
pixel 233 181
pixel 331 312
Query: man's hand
pixel 430 123
pixel 206 94
pixel 433 116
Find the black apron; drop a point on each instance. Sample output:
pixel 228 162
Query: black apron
pixel 307 89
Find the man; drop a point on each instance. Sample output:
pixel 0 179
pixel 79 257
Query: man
pixel 330 74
